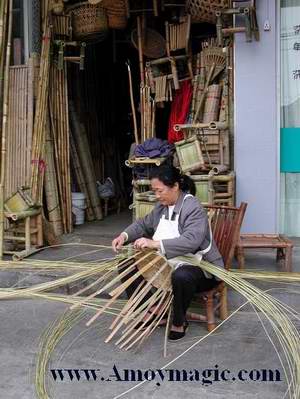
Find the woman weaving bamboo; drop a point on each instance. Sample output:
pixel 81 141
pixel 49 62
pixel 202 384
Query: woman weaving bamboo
pixel 178 225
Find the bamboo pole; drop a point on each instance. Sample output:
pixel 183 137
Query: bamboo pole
pixel 132 104
pixel 140 48
pixel 4 127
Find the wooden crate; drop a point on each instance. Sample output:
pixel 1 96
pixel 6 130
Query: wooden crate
pixel 143 204
pixel 190 154
pixel 215 190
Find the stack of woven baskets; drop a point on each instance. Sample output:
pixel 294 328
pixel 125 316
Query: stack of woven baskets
pixel 116 13
pixel 205 10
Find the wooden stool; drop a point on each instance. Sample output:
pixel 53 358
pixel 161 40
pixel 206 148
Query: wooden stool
pixel 26 228
pixel 283 245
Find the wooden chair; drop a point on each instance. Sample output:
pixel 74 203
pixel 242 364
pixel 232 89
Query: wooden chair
pixel 226 224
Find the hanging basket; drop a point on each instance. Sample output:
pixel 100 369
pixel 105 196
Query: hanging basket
pixel 204 10
pixel 89 21
pixel 116 13
pixel 154 45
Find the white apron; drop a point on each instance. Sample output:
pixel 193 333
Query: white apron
pixel 168 229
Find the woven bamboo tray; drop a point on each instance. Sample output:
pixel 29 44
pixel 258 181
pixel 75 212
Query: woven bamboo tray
pixel 154 45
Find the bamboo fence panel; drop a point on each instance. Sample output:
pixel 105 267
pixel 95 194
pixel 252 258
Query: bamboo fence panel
pixel 38 144
pixel 18 163
pixel 51 189
pixel 86 162
pixel 58 96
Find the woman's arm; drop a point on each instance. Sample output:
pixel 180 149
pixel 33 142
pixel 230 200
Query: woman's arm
pixel 143 227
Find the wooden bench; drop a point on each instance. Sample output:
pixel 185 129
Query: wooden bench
pixel 283 245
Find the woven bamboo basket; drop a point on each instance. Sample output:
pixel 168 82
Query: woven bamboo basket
pixel 204 10
pixel 89 21
pixel 116 13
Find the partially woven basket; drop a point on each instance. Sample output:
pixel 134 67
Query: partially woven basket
pixel 204 10
pixel 89 21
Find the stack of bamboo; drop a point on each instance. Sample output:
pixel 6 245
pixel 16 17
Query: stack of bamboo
pixel 59 115
pixel 38 142
pixel 83 166
pixel 147 114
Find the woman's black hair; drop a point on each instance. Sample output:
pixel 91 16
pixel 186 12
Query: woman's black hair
pixel 169 175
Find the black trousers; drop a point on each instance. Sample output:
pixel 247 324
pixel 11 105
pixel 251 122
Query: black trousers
pixel 187 280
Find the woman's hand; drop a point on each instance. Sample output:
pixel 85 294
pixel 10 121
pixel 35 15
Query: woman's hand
pixel 143 243
pixel 118 242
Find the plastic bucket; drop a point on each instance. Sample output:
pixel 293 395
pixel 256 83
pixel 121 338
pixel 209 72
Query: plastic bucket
pixel 78 207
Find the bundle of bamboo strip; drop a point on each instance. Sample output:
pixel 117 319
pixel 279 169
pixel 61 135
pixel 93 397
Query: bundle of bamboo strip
pixel 157 273
pixel 59 113
pixel 85 157
pixel 212 104
pixel 38 144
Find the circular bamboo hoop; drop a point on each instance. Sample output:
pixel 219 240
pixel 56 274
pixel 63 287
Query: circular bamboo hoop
pixel 204 10
pixel 154 45
pixel 89 21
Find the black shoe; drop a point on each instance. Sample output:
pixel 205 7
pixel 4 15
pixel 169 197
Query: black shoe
pixel 147 323
pixel 176 335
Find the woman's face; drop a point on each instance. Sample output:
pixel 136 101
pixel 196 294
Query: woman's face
pixel 165 195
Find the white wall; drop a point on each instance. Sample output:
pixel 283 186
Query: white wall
pixel 256 130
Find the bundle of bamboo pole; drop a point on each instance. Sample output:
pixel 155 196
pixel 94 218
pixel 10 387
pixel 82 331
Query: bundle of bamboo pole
pixel 51 185
pixel 5 123
pixel 59 113
pixel 148 114
pixel 80 179
pixel 38 143
pixel 85 157
pixel 3 31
